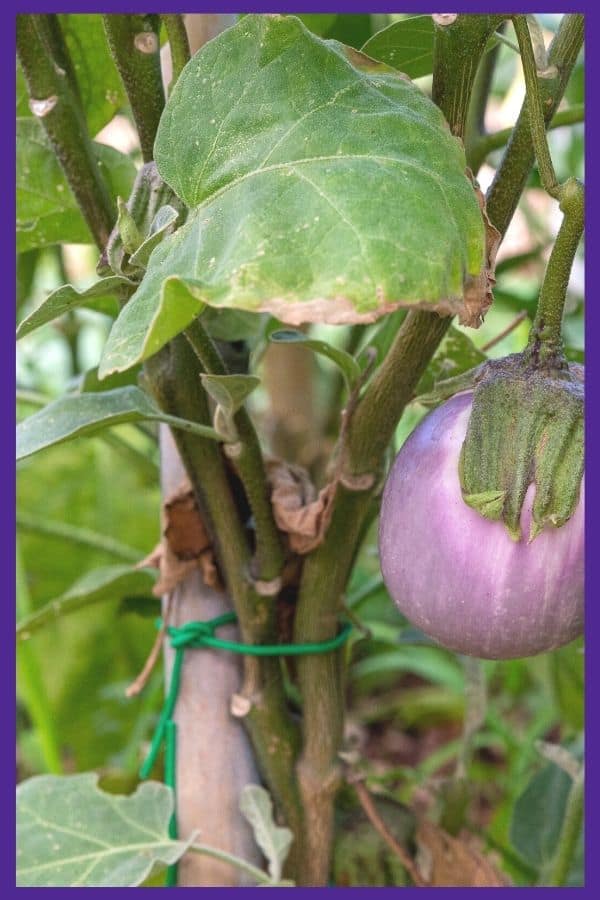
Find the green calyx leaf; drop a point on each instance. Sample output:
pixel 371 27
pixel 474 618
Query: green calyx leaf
pixel 526 426
pixel 322 186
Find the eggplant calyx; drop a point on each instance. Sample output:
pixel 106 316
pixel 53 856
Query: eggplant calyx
pixel 526 426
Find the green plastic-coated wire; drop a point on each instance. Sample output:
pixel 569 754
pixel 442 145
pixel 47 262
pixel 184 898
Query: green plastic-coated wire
pixel 196 635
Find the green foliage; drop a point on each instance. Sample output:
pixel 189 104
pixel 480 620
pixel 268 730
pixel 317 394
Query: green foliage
pixel 75 415
pixel 285 222
pixel 102 296
pixel 71 834
pixel 406 45
pixel 273 840
pixel 344 361
pixel 538 815
pixel 47 212
pixel 97 586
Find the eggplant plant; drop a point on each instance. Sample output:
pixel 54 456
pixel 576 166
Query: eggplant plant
pixel 293 258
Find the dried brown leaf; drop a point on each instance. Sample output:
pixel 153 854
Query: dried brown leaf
pixel 478 296
pixel 184 529
pixel 299 511
pixel 446 861
pixel 185 546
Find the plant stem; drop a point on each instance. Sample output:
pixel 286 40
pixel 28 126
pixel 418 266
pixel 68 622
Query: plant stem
pixel 569 835
pixel 64 531
pixel 55 104
pixel 135 47
pixel 475 123
pixel 456 54
pixel 481 147
pixel 512 173
pixel 173 377
pixel 536 110
pixel 545 340
pixel 249 466
pixel 179 45
pixel 360 453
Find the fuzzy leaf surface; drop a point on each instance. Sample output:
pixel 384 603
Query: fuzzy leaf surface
pixel 72 834
pixel 322 186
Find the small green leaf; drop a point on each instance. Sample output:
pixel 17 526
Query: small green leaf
pixel 98 586
pixel 348 366
pixel 538 815
pixel 230 391
pixel 128 230
pixel 102 296
pixel 144 327
pixel 72 834
pixel 406 45
pixel 75 415
pixel 273 840
pixel 47 212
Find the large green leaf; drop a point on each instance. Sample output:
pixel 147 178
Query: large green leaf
pixel 72 834
pixel 406 45
pixel 97 586
pixel 75 415
pixel 47 212
pixel 323 186
pixel 100 296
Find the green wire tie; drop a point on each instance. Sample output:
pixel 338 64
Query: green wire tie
pixel 198 635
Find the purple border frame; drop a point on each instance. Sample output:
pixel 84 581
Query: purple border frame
pixel 7 153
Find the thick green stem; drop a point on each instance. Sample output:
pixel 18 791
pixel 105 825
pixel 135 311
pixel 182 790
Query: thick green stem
pixel 326 572
pixel 457 51
pixel 135 47
pixel 179 45
pixel 365 438
pixel 475 123
pixel 569 835
pixel 513 171
pixel 55 104
pixel 545 341
pixel 247 460
pixel 173 376
pixel 536 111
